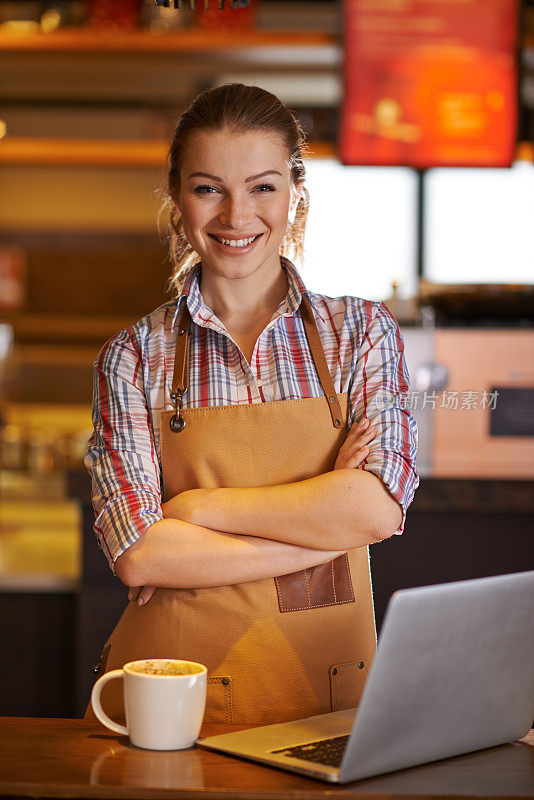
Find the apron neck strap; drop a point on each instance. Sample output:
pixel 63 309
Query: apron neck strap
pixel 180 380
pixel 319 360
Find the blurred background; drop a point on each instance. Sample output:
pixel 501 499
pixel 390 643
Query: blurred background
pixel 420 120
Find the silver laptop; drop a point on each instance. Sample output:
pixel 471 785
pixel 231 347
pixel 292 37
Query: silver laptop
pixel 453 673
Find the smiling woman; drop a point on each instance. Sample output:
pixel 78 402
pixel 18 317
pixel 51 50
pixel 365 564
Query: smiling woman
pixel 233 465
pixel 238 214
pixel 236 224
pixel 230 120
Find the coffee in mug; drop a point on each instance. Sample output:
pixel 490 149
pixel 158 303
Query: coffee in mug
pixel 165 666
pixel 164 701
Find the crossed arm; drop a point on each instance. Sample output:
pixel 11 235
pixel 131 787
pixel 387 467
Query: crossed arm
pixel 231 536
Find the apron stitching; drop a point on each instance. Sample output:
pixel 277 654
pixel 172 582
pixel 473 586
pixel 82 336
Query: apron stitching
pixel 162 452
pixel 249 405
pixel 307 587
pixel 333 581
pixel 333 684
pixel 315 605
pixel 227 697
pixel 322 605
pixel 333 692
pixel 280 601
pixel 229 717
pixel 350 578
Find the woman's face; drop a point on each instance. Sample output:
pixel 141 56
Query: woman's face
pixel 244 193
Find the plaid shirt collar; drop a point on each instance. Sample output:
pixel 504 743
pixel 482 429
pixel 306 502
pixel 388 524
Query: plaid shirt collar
pixel 204 316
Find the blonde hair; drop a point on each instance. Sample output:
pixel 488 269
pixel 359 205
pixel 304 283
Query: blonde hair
pixel 240 109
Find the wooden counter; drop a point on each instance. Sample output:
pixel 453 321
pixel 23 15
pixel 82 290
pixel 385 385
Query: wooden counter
pixel 68 758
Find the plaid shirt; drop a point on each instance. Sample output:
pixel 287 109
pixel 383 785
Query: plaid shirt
pixel 132 381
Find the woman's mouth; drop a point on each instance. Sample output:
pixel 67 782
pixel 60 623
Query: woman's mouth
pixel 235 246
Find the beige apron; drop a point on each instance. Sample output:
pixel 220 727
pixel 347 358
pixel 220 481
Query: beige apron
pixel 276 649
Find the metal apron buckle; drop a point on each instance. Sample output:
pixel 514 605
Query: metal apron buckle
pixel 177 422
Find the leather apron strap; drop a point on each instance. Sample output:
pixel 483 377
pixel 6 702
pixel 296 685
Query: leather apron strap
pixel 180 379
pixel 319 359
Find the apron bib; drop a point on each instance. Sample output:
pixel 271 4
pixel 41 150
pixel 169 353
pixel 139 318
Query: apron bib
pixel 275 649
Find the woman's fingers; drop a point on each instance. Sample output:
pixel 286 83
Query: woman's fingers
pixel 141 593
pixel 356 443
pixel 145 594
pixel 356 458
pixel 355 448
pixel 358 428
pixel 133 594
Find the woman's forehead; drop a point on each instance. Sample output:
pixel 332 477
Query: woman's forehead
pixel 219 151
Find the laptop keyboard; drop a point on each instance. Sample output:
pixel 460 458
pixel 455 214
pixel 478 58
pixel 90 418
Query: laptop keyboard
pixel 325 751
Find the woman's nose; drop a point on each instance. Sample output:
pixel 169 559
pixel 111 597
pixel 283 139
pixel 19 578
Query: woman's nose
pixel 236 213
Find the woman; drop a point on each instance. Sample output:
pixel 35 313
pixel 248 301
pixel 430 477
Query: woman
pixel 231 403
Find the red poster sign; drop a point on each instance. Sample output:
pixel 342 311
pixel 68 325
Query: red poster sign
pixel 430 82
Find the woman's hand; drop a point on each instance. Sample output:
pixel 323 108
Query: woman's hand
pixel 141 593
pixel 355 448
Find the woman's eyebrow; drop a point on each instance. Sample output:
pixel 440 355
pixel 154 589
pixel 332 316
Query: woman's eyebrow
pixel 220 180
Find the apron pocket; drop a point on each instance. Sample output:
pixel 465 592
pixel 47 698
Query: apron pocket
pixel 346 684
pixel 327 584
pixel 219 700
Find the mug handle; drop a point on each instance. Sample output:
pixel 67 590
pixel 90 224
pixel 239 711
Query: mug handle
pixel 97 705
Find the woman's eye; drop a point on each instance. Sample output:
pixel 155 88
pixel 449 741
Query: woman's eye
pixel 204 189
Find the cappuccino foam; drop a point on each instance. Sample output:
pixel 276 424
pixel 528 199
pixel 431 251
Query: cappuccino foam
pixel 165 666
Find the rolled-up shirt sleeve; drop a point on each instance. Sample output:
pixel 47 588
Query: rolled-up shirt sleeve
pixel 120 453
pixel 379 391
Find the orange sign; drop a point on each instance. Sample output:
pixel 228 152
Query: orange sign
pixel 430 82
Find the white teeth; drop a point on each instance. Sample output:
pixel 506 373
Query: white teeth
pixel 236 242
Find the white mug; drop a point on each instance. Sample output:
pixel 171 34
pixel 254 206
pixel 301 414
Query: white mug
pixel 163 712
